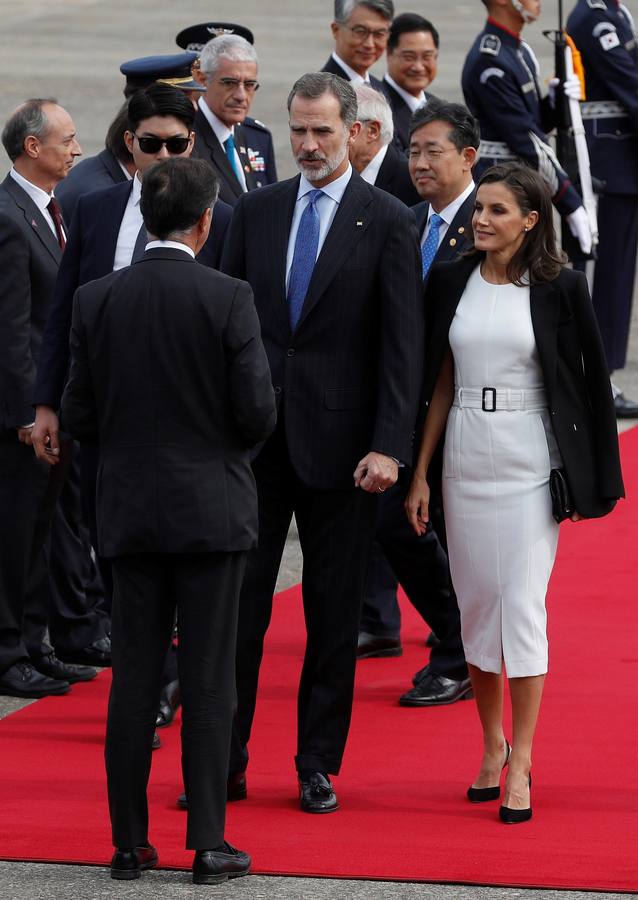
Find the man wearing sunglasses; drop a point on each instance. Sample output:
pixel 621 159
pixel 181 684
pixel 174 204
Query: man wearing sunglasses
pixel 361 29
pixel 239 148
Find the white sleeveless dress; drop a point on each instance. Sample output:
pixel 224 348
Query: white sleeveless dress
pixel 501 535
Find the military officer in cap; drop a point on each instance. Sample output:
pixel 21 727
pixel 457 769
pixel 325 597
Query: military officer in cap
pixel 239 148
pixel 605 36
pixel 501 89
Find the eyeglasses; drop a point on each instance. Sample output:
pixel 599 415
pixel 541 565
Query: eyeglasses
pixel 433 155
pixel 361 33
pixel 231 84
pixel 153 144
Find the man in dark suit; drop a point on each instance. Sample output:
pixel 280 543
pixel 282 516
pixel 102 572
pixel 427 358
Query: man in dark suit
pixel 39 138
pixel 239 148
pixel 177 506
pixel 360 30
pixel 412 57
pixel 443 145
pixel 334 266
pixel 372 153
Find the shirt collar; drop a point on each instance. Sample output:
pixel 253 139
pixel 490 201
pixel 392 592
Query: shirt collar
pixel 413 102
pixel 170 245
pixel 39 197
pixel 335 189
pixel 136 189
pixel 221 130
pixel 371 171
pixel 449 212
pixel 352 75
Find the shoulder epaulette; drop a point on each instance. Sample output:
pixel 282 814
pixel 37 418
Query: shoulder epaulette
pixel 597 4
pixel 490 44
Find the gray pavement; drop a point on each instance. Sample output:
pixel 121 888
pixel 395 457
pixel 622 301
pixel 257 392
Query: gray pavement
pixel 71 49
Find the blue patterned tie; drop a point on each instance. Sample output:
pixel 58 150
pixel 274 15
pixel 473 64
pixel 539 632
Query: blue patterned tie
pixel 431 243
pixel 229 147
pixel 303 260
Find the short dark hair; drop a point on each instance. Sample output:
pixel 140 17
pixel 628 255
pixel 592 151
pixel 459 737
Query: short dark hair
pixel 160 100
pixel 344 8
pixel 407 23
pixel 538 254
pixel 313 85
pixel 175 194
pixel 28 120
pixel 464 129
pixel 114 140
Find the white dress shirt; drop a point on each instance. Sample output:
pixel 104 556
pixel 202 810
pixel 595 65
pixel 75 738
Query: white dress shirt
pixel 222 133
pixel 39 197
pixel 327 206
pixel 170 245
pixel 371 171
pixel 447 214
pixel 354 77
pixel 413 102
pixel 130 226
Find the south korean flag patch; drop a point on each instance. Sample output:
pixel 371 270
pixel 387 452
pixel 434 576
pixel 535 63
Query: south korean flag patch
pixel 609 41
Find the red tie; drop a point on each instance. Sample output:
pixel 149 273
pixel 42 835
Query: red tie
pixel 56 214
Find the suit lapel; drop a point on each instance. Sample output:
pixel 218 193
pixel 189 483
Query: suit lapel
pixel 112 212
pixel 244 158
pixel 545 310
pixel 277 234
pixel 36 221
pixel 217 153
pixel 421 215
pixel 457 234
pixel 348 227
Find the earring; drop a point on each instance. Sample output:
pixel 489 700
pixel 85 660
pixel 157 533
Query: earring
pixel 526 228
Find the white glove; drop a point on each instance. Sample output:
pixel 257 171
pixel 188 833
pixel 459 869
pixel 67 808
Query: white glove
pixel 571 88
pixel 579 226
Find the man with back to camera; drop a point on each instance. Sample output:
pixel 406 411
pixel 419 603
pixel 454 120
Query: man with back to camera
pixel 412 61
pixel 224 133
pixel 372 152
pixel 360 30
pixel 304 245
pixel 40 140
pixel 177 506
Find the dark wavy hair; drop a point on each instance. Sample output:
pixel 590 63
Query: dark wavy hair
pixel 539 253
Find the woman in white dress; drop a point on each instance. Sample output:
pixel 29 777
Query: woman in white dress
pixel 517 379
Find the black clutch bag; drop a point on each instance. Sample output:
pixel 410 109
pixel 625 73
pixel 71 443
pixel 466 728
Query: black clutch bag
pixel 562 506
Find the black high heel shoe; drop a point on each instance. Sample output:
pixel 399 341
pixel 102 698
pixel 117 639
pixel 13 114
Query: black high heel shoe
pixel 481 795
pixel 514 816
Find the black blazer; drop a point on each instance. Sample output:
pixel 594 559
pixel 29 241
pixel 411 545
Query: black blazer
pixel 347 380
pixel 574 370
pixel 92 174
pixel 256 173
pixel 335 69
pixel 394 177
pixel 29 260
pixel 89 254
pixel 170 375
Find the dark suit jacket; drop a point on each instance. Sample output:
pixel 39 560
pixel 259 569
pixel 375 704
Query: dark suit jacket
pixel 89 254
pixel 29 260
pixel 170 375
pixel 257 157
pixel 92 174
pixel 335 69
pixel 458 234
pixel 401 114
pixel 394 177
pixel 347 380
pixel 574 370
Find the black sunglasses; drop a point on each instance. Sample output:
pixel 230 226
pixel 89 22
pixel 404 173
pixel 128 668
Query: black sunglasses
pixel 154 144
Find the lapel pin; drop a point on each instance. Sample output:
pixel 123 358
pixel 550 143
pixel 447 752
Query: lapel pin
pixel 453 242
pixel 34 223
pixel 246 168
pixel 461 230
pixel 359 224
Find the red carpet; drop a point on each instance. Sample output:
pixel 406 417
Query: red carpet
pixel 404 814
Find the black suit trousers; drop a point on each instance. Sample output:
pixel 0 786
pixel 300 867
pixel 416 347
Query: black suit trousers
pixel 335 533
pixel 148 589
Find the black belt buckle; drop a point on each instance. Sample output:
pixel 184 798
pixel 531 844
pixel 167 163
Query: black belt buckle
pixel 491 392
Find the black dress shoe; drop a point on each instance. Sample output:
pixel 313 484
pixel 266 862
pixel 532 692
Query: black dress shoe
pixel 215 866
pixel 316 794
pixel 483 795
pixel 129 863
pixel 170 700
pixel 625 409
pixel 515 816
pixel 370 645
pixel 96 654
pixel 156 741
pixel 22 680
pixel 236 789
pixel 53 667
pixel 437 690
